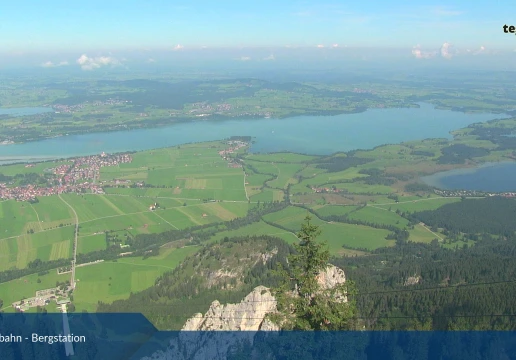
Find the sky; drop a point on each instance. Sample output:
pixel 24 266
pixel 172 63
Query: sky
pixel 88 34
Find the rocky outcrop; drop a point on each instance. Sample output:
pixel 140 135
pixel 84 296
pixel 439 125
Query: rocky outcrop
pixel 331 277
pixel 249 314
pixel 212 335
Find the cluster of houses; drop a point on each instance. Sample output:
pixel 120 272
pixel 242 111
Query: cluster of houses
pixel 31 192
pixel 362 91
pixel 208 107
pixel 88 167
pixel 325 190
pixel 70 178
pixel 233 146
pixel 473 193
pixel 60 108
pixel 42 298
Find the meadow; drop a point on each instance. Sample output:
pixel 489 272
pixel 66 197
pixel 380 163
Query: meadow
pixel 114 280
pixel 106 281
pixel 193 185
pixel 188 174
pixel 18 251
pixel 258 228
pixel 338 235
pixel 26 287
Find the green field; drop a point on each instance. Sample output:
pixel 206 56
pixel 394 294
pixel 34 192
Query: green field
pixel 187 175
pixel 282 157
pixel 89 243
pixel 27 286
pixel 329 210
pixel 17 218
pixel 379 216
pixel 109 281
pixel 421 234
pixel 258 228
pixel 37 168
pixel 192 171
pixel 338 235
pixel 417 205
pixel 193 185
pixel 47 245
pixel 268 195
pixel 126 275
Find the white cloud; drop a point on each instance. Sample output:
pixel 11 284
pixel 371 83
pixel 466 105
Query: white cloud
pixel 320 46
pixel 420 54
pixel 151 60
pixel 244 58
pixel 447 51
pixel 480 50
pixel 50 64
pixel 270 57
pixel 335 46
pixel 178 47
pixel 90 63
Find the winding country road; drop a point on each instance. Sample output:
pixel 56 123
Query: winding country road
pixel 72 281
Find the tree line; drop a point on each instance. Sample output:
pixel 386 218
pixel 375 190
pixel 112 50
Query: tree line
pixel 452 301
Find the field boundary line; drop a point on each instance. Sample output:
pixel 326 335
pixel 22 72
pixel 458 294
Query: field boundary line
pixel 428 199
pixel 133 264
pixel 245 189
pixel 37 215
pixel 72 282
pixel 134 213
pixel 36 232
pixel 424 226
pixel 165 220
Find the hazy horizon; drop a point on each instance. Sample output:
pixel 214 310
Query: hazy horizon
pixel 97 35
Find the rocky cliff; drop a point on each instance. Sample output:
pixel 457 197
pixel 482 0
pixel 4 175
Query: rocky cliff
pixel 212 335
pixel 250 313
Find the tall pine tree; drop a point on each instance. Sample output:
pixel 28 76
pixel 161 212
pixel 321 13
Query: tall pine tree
pixel 303 304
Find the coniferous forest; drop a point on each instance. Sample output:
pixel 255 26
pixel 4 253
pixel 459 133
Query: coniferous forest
pixel 427 287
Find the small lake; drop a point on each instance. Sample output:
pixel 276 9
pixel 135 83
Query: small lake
pixel 495 177
pixel 25 111
pixel 303 134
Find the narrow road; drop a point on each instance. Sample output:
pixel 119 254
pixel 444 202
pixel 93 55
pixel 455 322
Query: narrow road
pixel 245 189
pixel 72 280
pixel 426 228
pixel 161 217
pixel 37 215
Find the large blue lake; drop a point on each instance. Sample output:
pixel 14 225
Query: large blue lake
pixel 495 177
pixel 305 134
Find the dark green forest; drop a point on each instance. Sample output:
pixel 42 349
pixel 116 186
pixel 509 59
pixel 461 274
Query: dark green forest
pixel 410 286
pixel 493 215
pixel 459 153
pixel 425 286
pixel 340 163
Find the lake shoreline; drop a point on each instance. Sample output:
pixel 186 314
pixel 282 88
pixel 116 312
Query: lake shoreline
pixel 314 135
pixel 217 117
pixel 463 178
